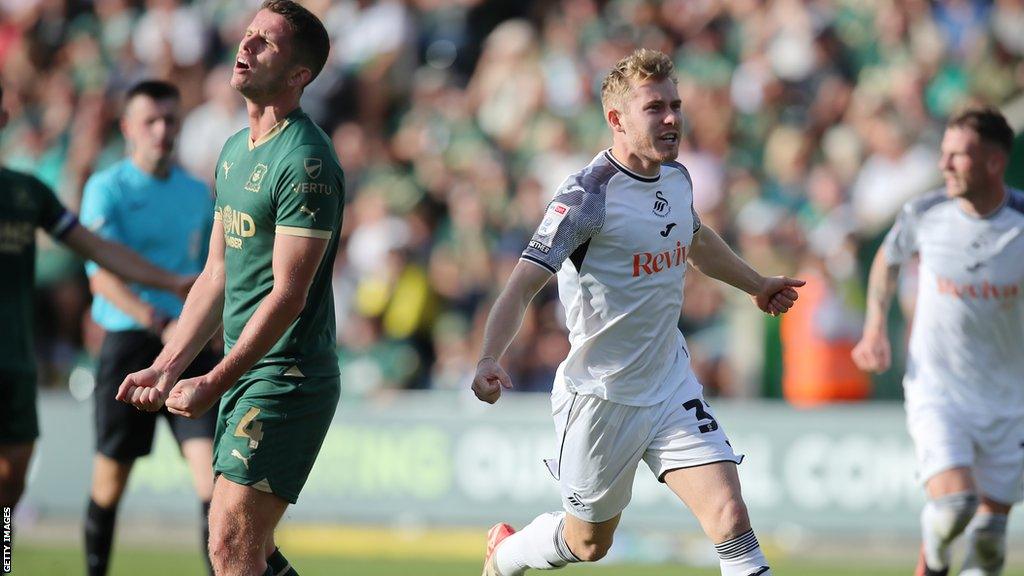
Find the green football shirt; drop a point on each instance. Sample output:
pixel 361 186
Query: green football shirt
pixel 25 204
pixel 289 182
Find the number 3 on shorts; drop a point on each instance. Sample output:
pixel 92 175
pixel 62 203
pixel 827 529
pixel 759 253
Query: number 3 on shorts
pixel 249 428
pixel 698 407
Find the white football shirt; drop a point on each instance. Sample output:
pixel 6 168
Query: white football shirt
pixel 618 242
pixel 967 340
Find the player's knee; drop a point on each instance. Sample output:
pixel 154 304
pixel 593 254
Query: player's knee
pixel 948 516
pixel 107 495
pixel 109 480
pixel 224 547
pixel 12 478
pixel 228 543
pixel 730 520
pixel 591 548
pixel 592 551
pixel 11 489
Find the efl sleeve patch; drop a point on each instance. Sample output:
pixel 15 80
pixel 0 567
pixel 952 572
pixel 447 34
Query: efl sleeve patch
pixel 553 218
pixel 572 218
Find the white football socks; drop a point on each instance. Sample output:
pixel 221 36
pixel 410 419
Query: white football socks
pixel 539 545
pixel 942 520
pixel 986 545
pixel 742 556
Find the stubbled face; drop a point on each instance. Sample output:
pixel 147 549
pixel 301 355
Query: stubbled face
pixel 151 128
pixel 652 120
pixel 264 57
pixel 967 163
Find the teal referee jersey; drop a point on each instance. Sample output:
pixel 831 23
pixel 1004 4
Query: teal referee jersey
pixel 167 221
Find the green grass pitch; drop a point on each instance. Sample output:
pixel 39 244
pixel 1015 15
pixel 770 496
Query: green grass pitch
pixel 68 561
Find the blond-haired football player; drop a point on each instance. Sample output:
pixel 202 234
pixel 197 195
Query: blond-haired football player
pixel 620 234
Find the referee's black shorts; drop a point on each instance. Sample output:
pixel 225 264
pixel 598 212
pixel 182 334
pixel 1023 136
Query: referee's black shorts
pixel 122 432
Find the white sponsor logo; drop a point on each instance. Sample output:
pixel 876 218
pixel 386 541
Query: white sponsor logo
pixel 238 455
pixel 311 213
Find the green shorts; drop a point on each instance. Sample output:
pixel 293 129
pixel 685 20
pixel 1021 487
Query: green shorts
pixel 19 419
pixel 270 429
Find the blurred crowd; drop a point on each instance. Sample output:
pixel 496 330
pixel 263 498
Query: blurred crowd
pixel 808 123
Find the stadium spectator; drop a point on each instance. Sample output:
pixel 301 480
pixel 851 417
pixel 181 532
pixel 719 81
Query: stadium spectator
pixel 206 128
pixel 819 71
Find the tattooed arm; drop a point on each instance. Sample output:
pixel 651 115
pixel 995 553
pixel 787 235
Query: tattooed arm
pixel 873 353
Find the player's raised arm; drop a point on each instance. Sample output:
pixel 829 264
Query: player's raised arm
pixel 199 320
pixel 874 353
pixel 503 323
pixel 712 256
pixel 125 262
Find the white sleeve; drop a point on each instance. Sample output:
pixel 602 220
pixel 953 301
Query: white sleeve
pixel 900 243
pixel 571 219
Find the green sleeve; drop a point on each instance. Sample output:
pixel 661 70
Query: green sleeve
pixel 308 193
pixel 53 216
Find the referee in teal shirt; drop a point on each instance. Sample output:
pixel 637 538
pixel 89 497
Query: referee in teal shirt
pixel 150 204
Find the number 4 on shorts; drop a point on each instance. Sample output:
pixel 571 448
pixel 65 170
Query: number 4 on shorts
pixel 698 407
pixel 249 428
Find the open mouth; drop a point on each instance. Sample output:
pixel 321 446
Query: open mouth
pixel 241 65
pixel 671 138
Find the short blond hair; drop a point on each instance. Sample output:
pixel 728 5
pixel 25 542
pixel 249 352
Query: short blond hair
pixel 642 65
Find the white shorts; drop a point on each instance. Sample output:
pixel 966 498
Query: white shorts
pixel 601 444
pixel 992 447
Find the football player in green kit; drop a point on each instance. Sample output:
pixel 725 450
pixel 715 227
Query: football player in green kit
pixel 27 204
pixel 280 193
